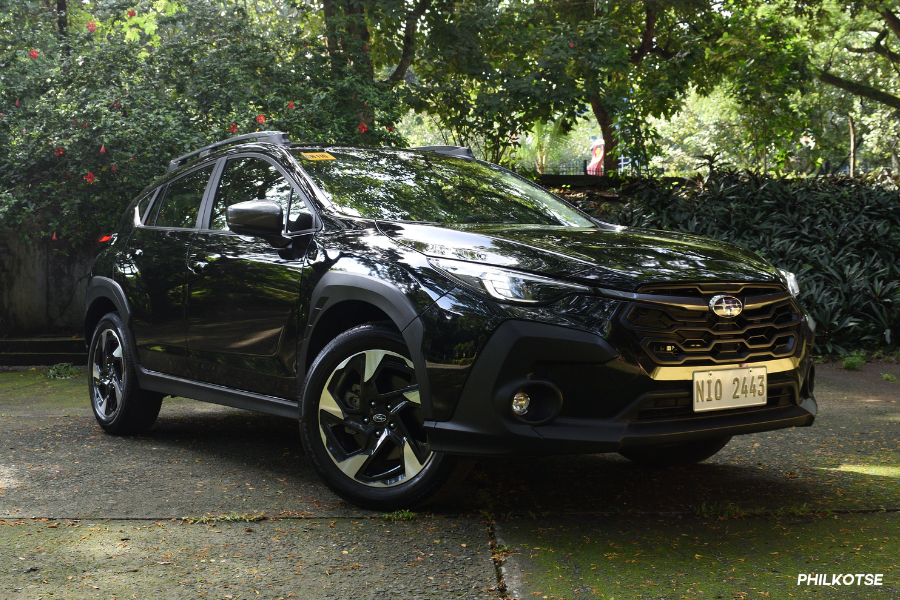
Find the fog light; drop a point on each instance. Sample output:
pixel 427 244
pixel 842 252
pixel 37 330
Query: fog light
pixel 520 403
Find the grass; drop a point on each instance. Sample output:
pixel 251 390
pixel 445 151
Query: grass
pixel 630 557
pixel 62 371
pixel 232 518
pixel 400 515
pixel 854 360
pixel 729 510
pixel 889 377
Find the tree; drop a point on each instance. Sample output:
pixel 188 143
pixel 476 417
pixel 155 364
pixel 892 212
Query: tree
pixel 89 118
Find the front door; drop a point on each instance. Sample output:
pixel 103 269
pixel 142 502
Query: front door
pixel 153 273
pixel 242 313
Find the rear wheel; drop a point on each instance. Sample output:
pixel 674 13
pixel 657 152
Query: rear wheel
pixel 119 405
pixel 362 424
pixel 670 455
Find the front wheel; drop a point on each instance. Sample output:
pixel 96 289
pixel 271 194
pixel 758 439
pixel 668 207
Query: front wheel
pixel 362 426
pixel 670 455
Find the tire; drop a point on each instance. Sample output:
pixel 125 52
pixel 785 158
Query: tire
pixel 119 405
pixel 361 424
pixel 670 455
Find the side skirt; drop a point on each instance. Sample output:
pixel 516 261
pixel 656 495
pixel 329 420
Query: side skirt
pixel 216 394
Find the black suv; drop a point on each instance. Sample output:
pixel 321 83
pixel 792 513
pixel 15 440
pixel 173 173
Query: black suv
pixel 416 308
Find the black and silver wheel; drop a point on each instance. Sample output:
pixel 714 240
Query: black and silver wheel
pixel 362 424
pixel 119 405
pixel 670 455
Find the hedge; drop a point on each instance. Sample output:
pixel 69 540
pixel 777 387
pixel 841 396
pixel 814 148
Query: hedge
pixel 840 235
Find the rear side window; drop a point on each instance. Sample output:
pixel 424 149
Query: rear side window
pixel 180 201
pixel 247 179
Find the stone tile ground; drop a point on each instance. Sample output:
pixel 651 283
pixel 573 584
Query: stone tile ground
pixel 82 509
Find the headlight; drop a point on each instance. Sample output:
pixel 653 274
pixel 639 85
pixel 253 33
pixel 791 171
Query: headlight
pixel 502 284
pixel 791 280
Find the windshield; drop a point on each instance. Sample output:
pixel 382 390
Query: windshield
pixel 398 185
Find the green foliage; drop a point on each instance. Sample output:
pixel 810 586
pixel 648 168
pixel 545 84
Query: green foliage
pixel 62 371
pixel 840 236
pixel 889 377
pixel 98 114
pixel 400 515
pixel 854 360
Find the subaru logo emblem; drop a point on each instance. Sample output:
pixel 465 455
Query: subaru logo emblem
pixel 379 418
pixel 725 306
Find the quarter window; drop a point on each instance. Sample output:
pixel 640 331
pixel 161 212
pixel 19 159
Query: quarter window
pixel 181 200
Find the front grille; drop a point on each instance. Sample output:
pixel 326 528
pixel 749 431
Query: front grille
pixel 672 335
pixel 678 405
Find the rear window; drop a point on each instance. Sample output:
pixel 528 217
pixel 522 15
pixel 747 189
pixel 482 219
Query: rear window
pixel 397 185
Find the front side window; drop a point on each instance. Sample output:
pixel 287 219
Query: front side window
pixel 397 185
pixel 181 200
pixel 248 179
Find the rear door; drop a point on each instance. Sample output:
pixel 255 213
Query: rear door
pixel 153 273
pixel 243 299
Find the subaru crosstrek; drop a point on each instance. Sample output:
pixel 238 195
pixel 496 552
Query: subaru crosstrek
pixel 416 308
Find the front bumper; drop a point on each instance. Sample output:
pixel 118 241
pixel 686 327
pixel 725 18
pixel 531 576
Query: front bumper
pixel 610 401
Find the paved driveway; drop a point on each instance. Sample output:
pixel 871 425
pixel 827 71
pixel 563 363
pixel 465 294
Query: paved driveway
pixel 87 515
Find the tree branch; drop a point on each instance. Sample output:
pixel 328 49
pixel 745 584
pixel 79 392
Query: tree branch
pixel 665 54
pixel 860 89
pixel 409 42
pixel 892 20
pixel 877 48
pixel 638 54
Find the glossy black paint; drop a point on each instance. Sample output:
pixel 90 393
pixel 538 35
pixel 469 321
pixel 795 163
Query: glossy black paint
pixel 238 319
pixel 604 257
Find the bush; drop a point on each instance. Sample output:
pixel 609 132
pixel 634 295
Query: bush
pixel 90 118
pixel 840 236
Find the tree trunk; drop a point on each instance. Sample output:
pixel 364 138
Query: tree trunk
pixel 610 138
pixel 852 146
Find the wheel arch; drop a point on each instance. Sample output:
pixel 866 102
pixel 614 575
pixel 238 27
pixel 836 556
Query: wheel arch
pixel 103 296
pixel 341 301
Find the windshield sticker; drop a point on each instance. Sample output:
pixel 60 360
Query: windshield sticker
pixel 316 156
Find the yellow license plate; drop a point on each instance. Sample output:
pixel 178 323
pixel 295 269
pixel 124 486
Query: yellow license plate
pixel 718 389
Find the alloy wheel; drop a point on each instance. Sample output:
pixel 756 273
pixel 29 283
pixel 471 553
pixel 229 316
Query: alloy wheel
pixel 107 374
pixel 370 419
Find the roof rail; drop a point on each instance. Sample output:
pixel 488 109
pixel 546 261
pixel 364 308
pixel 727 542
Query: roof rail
pixel 269 137
pixel 459 151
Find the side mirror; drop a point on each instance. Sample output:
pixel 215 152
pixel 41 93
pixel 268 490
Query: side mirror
pixel 258 218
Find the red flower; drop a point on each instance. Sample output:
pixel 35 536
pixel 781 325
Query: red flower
pixel 33 54
pixel 363 128
pixel 130 13
pixel 54 236
pixel 231 129
pixel 571 45
pixel 390 128
pixel 17 102
pixel 102 149
pixel 367 47
pixel 290 104
pixel 132 159
pixel 261 119
pixel 59 152
pixel 113 168
pixel 116 105
pixel 89 177
pixel 73 121
pixel 84 125
pixel 92 27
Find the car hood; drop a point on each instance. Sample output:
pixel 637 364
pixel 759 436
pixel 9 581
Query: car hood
pixel 621 258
